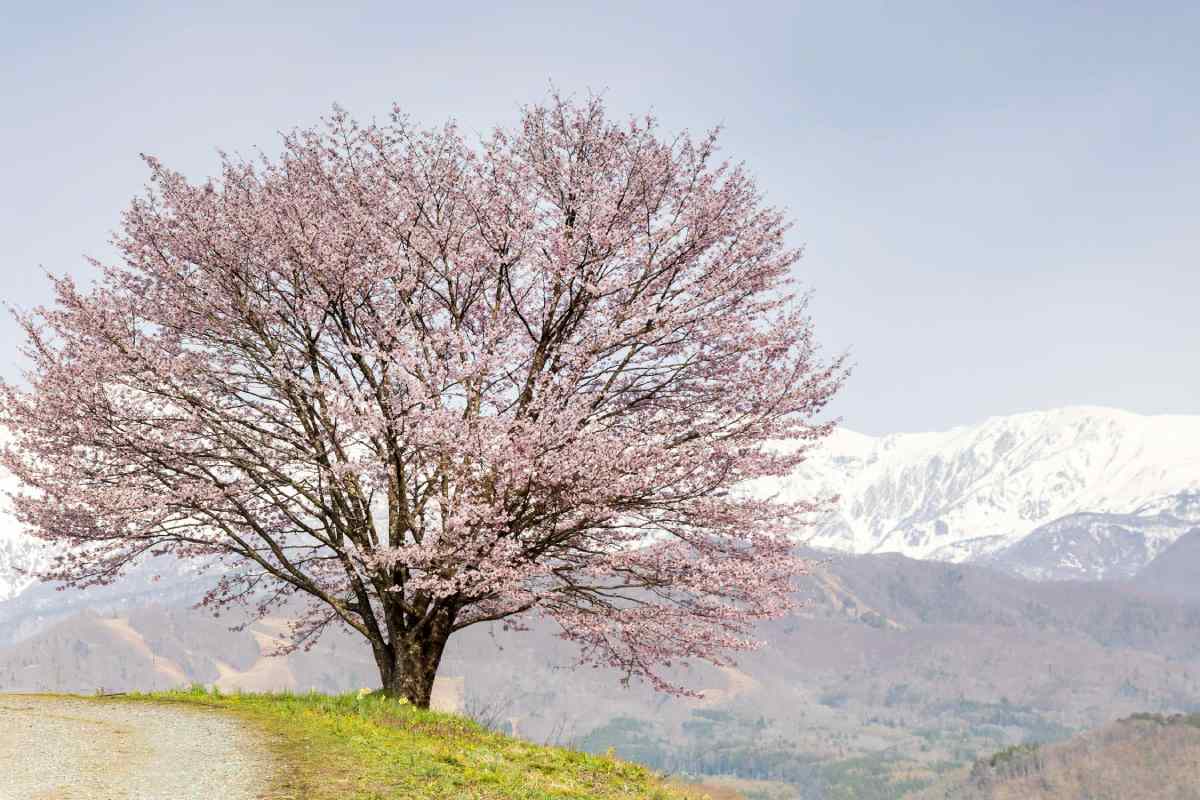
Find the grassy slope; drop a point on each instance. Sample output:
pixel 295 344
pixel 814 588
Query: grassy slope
pixel 374 748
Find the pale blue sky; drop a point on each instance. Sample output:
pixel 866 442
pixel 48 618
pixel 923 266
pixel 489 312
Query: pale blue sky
pixel 998 200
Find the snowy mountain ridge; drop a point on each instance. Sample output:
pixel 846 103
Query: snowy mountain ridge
pixel 972 491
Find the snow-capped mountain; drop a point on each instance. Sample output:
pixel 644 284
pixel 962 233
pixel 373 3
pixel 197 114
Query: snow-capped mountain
pixel 972 492
pixel 1090 545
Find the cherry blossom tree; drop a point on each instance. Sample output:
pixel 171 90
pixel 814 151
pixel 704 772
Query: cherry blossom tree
pixel 421 384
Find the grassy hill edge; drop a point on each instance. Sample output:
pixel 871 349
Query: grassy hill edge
pixel 375 748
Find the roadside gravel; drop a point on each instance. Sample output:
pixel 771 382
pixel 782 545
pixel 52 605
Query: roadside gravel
pixel 54 748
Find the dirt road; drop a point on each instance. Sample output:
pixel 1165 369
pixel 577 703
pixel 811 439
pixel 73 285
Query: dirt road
pixel 71 749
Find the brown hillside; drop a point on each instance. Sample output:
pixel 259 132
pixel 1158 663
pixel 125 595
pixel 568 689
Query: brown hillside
pixel 1148 757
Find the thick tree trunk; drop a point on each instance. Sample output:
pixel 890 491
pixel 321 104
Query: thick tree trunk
pixel 408 667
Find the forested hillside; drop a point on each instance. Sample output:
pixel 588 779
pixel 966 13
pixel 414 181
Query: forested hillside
pixel 1144 757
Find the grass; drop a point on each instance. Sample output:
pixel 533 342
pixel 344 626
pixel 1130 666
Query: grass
pixel 374 748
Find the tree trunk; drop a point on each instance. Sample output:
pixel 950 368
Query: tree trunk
pixel 408 667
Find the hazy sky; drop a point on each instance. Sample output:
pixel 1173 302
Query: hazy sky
pixel 999 201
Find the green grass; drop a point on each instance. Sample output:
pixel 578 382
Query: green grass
pixel 375 748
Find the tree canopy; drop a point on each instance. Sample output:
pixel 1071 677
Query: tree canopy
pixel 423 384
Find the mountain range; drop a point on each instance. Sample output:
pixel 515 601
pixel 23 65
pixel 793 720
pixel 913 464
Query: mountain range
pixel 1080 492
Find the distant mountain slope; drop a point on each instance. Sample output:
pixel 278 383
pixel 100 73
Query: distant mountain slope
pixel 163 581
pixel 1088 546
pixel 971 492
pixel 156 648
pixel 1147 757
pixel 1176 571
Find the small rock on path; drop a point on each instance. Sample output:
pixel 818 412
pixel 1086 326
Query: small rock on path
pixel 54 748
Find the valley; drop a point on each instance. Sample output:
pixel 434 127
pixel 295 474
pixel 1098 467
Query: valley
pixel 895 672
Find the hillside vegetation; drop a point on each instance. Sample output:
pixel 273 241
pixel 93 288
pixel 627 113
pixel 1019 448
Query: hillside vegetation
pixel 1148 756
pixel 374 748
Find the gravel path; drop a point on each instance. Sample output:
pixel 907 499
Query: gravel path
pixel 63 749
